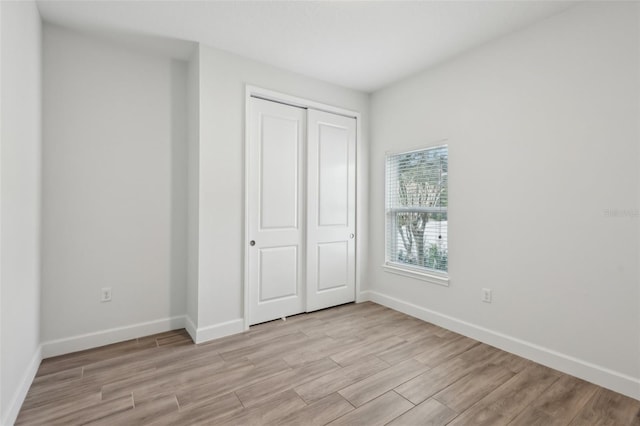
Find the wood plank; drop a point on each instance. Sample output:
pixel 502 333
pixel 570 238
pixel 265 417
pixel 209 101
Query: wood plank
pixel 437 354
pixel 358 324
pixel 306 355
pixel 158 382
pixel 355 354
pixel 269 412
pixel 39 413
pixel 473 387
pixel 145 412
pixel 296 355
pixel 510 361
pixel 339 379
pixel 409 349
pixel 228 381
pixel 507 401
pixel 318 413
pixel 255 394
pixel 55 382
pixel 380 411
pixel 606 407
pixel 367 389
pixel 481 355
pixel 176 338
pixel 258 334
pixel 279 344
pixel 432 381
pixel 55 379
pixel 147 342
pixel 129 363
pixel 127 385
pixel 413 333
pixel 337 328
pixel 559 404
pixel 428 413
pixel 429 383
pixel 181 361
pixel 223 406
pixel 78 359
pixel 65 392
pixel 92 413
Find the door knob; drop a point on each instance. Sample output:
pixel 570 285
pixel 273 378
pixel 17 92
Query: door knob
pixel 252 243
pixel 351 236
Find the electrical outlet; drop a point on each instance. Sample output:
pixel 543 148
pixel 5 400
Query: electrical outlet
pixel 105 294
pixel 486 295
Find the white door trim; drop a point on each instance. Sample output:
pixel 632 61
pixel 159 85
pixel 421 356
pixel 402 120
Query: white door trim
pixel 258 92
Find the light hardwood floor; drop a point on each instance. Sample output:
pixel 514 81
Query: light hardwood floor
pixel 350 365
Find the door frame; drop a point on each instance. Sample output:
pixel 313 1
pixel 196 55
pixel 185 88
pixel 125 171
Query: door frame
pixel 270 95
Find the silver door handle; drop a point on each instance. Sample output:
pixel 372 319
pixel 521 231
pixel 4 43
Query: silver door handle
pixel 252 243
pixel 352 236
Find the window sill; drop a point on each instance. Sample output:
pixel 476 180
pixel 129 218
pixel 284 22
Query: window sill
pixel 411 273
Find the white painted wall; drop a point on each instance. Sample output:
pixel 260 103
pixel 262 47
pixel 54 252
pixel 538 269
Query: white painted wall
pixel 223 77
pixel 20 136
pixel 543 135
pixel 114 190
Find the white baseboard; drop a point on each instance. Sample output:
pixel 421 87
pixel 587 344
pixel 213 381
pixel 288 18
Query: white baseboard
pixel 599 375
pixel 216 331
pixel 119 334
pixel 113 335
pixel 13 409
pixel 191 328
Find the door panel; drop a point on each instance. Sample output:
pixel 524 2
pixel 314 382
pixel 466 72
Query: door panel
pixel 333 176
pixel 333 265
pixel 331 201
pixel 278 273
pixel 279 171
pixel 275 210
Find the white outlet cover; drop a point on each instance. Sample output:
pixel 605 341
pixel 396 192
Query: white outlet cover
pixel 105 294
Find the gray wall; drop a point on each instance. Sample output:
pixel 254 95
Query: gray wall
pixel 20 144
pixel 114 185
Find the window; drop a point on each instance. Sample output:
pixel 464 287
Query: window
pixel 416 213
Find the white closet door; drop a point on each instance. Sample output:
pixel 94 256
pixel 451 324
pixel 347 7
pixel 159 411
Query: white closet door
pixel 331 209
pixel 276 210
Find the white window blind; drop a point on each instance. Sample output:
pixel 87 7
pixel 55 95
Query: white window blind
pixel 416 210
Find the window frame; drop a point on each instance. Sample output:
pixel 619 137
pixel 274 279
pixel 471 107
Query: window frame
pixel 418 272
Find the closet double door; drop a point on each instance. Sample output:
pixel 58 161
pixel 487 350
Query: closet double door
pixel 301 205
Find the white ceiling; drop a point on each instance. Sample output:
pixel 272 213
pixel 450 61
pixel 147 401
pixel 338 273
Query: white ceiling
pixel 364 45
